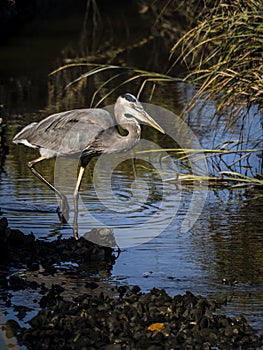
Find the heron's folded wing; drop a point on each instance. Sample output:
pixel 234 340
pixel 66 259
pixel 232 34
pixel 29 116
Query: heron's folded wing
pixel 70 132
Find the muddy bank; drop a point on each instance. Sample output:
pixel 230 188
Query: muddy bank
pixel 104 317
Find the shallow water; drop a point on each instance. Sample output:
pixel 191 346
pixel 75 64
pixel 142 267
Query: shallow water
pixel 219 256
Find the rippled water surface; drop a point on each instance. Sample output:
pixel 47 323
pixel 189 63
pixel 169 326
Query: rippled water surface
pixel 221 255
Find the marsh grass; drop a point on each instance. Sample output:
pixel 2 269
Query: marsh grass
pixel 217 179
pixel 119 77
pixel 222 55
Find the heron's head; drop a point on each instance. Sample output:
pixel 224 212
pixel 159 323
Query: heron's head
pixel 131 108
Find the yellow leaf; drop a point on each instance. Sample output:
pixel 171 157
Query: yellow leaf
pixel 156 327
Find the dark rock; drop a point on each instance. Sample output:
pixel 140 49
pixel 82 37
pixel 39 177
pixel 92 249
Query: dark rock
pixel 34 252
pixel 21 311
pixel 113 347
pixel 102 322
pixel 52 297
pixel 17 283
pixel 3 225
pixel 127 319
pixel 11 328
pixel 91 285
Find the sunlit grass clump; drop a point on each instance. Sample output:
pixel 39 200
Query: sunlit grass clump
pixel 224 53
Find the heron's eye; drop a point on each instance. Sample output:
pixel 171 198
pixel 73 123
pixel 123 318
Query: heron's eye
pixel 129 98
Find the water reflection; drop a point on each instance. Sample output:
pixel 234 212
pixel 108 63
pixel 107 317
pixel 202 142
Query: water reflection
pixel 221 257
pixel 234 138
pixel 225 244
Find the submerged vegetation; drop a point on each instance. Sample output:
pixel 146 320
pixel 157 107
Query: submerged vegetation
pixel 218 46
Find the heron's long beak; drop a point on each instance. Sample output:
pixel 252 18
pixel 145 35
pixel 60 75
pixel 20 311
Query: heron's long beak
pixel 147 119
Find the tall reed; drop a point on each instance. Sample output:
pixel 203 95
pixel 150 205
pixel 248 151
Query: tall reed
pixel 224 54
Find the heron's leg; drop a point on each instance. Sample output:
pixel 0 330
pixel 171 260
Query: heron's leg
pixel 63 210
pixel 76 198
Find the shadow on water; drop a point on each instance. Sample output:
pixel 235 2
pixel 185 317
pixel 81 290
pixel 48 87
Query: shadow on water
pixel 222 253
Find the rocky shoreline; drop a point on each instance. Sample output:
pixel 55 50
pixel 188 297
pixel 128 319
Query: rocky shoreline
pixel 112 318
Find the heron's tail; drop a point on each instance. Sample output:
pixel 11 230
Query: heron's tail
pixel 24 135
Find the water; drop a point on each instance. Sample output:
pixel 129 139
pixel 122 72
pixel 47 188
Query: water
pixel 220 256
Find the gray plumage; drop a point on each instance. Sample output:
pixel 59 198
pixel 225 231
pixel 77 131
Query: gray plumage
pixel 66 133
pixel 85 133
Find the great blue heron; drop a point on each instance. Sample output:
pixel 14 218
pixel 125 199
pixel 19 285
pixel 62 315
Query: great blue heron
pixel 85 133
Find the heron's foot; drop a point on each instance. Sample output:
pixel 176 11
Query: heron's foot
pixel 76 235
pixel 62 217
pixel 63 211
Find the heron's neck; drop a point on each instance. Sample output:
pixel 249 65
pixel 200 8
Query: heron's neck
pixel 130 125
pixel 133 134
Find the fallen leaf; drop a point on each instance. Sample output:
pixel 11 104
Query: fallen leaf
pixel 156 327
